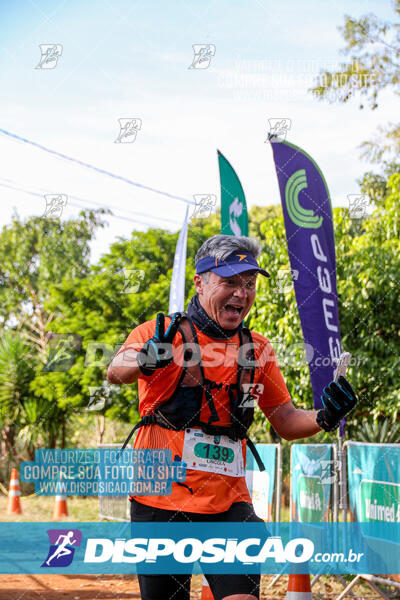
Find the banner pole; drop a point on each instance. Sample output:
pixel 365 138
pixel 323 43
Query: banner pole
pixel 342 479
pixel 278 483
pixel 335 499
pixel 341 369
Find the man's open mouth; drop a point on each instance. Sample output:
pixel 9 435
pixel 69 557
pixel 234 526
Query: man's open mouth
pixel 233 309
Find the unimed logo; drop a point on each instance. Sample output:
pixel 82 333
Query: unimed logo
pixel 62 547
pixel 190 550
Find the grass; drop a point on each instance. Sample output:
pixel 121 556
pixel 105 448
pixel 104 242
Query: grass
pixel 40 509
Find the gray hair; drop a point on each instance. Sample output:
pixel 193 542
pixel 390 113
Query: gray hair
pixel 222 246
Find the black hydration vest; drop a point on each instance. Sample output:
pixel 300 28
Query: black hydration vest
pixel 183 409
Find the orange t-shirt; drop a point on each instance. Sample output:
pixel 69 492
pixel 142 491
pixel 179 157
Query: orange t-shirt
pixel 212 492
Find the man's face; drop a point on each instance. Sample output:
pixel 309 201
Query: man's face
pixel 227 300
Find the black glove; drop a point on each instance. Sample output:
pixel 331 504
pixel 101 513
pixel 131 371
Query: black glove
pixel 338 399
pixel 157 351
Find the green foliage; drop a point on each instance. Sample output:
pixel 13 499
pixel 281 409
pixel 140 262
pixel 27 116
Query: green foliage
pixel 34 254
pixel 16 373
pixel 372 51
pixel 384 147
pixel 22 418
pixel 368 311
pixel 374 186
pixel 383 431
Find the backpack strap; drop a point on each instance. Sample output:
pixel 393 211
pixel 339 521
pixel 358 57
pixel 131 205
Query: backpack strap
pixel 195 373
pixel 246 358
pixel 246 376
pixel 255 453
pixel 192 374
pixel 146 420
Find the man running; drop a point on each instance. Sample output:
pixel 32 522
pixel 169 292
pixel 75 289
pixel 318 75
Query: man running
pixel 199 373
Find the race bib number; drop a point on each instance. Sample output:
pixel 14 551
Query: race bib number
pixel 212 453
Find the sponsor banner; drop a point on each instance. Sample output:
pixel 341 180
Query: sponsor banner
pixel 379 501
pixel 207 547
pixel 103 472
pixel 312 476
pixel 261 484
pixel 374 485
pixel 177 288
pixel 234 220
pixel 307 213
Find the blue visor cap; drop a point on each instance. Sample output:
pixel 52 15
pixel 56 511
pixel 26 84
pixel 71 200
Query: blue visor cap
pixel 233 265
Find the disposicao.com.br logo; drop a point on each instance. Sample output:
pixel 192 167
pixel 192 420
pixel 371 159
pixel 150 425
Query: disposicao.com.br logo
pixel 62 547
pixel 196 547
pixel 191 550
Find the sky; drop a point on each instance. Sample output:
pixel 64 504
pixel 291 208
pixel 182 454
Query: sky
pixel 130 60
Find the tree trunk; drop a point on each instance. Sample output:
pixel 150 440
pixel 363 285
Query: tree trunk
pixel 8 436
pixel 31 452
pixel 63 433
pixel 3 449
pixel 52 440
pixel 100 422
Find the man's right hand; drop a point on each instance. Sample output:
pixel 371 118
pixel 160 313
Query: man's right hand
pixel 157 351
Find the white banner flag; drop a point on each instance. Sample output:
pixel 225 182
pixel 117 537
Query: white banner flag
pixel 177 289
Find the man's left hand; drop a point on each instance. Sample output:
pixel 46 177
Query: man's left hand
pixel 338 399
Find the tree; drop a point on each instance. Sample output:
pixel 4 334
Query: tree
pixel 34 254
pixel 368 310
pixel 373 65
pixel 16 372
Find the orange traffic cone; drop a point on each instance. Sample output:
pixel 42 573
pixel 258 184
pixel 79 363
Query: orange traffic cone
pixel 14 504
pixel 60 506
pixel 299 588
pixel 206 593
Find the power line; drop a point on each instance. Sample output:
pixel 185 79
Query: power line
pixel 80 199
pixel 37 195
pixel 92 167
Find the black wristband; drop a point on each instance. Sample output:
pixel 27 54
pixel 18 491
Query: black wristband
pixel 323 422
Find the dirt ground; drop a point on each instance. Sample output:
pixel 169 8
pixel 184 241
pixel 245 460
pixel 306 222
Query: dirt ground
pixel 125 587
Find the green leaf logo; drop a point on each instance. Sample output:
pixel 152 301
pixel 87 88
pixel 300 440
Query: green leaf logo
pixel 235 212
pixel 302 217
